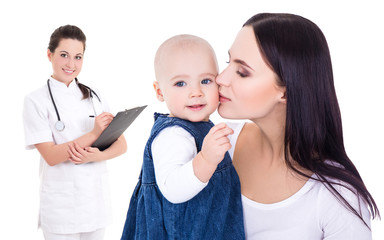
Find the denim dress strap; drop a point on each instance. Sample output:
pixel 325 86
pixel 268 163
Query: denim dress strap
pixel 197 129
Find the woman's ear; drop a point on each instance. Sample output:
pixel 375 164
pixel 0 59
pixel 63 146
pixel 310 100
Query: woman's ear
pixel 49 54
pixel 158 91
pixel 283 95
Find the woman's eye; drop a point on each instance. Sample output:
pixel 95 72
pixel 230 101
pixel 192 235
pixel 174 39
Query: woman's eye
pixel 78 57
pixel 241 74
pixel 180 84
pixel 63 55
pixel 206 81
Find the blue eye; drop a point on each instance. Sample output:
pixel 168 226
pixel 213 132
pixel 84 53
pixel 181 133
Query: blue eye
pixel 180 84
pixel 206 81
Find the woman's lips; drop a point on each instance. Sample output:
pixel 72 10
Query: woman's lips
pixel 67 71
pixel 223 99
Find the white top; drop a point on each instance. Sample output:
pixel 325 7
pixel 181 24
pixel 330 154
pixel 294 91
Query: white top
pixel 73 198
pixel 312 213
pixel 173 150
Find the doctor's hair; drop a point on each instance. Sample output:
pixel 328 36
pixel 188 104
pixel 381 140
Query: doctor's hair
pixel 296 50
pixel 69 32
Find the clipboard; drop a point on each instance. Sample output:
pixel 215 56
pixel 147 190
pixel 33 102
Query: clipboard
pixel 115 129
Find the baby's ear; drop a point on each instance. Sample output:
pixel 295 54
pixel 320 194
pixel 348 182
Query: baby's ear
pixel 159 94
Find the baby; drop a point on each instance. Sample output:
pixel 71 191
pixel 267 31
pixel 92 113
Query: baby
pixel 188 187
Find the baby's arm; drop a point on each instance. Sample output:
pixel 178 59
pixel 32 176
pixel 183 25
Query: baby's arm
pixel 180 172
pixel 173 151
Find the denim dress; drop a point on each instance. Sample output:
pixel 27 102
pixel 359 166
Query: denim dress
pixel 214 213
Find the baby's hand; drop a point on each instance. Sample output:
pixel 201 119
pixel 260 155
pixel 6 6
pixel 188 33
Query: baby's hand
pixel 216 143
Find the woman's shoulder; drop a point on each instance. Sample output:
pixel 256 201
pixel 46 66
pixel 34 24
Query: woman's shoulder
pixel 246 132
pixel 330 193
pixel 332 210
pixel 38 96
pixel 38 92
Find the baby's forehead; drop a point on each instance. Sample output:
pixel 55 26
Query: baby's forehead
pixel 183 43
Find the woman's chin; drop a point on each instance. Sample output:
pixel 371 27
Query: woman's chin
pixel 226 112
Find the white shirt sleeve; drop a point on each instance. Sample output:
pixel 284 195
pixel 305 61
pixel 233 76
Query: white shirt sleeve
pixel 173 150
pixel 36 123
pixel 340 223
pixel 236 127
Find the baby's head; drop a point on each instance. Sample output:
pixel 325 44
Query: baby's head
pixel 185 69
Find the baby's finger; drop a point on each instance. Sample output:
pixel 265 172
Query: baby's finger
pixel 218 127
pixel 224 132
pixel 222 141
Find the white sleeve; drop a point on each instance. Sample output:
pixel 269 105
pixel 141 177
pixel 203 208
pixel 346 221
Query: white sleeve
pixel 236 127
pixel 173 151
pixel 36 123
pixel 338 222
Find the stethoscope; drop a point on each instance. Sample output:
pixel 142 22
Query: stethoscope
pixel 60 124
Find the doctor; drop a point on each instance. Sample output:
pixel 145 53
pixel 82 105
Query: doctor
pixel 62 119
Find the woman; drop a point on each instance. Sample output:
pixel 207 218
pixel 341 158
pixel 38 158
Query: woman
pixel 62 120
pixel 297 182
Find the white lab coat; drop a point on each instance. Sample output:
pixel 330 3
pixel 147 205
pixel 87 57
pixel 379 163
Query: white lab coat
pixel 73 198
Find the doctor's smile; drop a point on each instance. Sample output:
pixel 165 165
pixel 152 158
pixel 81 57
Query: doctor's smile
pixel 69 71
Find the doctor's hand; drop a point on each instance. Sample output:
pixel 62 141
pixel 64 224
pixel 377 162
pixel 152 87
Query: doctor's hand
pixel 79 155
pixel 101 123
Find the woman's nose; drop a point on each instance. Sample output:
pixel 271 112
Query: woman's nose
pixel 70 63
pixel 222 79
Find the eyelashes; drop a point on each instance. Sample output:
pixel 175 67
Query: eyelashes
pixel 180 84
pixel 204 82
pixel 243 75
pixel 241 71
pixel 64 55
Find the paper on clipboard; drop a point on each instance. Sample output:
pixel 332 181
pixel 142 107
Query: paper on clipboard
pixel 115 129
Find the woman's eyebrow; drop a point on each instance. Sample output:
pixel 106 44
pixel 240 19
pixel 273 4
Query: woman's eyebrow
pixel 242 63
pixel 63 51
pixel 239 61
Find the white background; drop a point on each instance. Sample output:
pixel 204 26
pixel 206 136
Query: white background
pixel 122 37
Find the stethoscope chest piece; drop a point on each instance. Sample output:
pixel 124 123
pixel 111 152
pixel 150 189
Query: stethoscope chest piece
pixel 59 126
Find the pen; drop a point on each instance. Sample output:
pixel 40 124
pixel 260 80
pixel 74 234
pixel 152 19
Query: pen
pixel 92 116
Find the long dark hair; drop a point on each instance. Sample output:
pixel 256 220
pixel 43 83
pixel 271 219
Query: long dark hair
pixel 297 51
pixel 69 32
